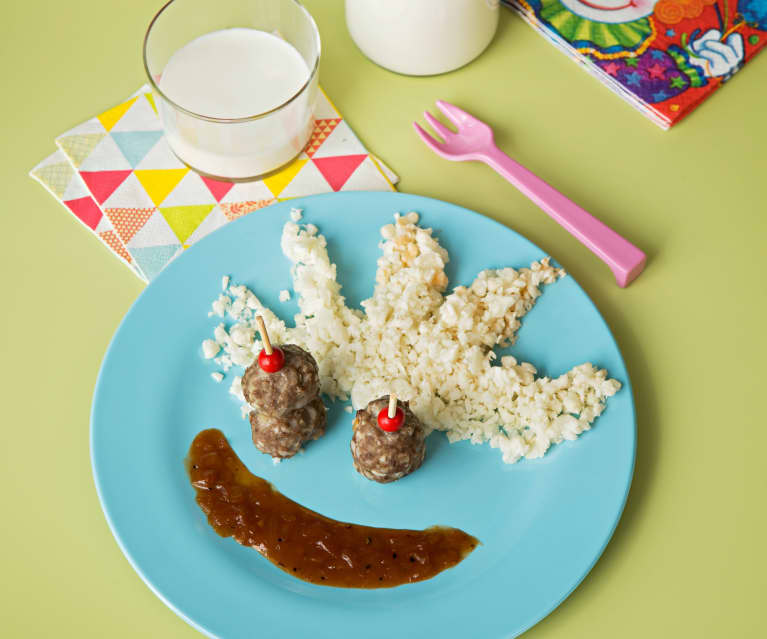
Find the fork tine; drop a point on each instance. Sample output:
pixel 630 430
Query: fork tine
pixel 437 126
pixel 428 140
pixel 453 113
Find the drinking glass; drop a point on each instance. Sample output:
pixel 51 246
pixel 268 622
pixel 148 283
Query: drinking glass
pixel 244 147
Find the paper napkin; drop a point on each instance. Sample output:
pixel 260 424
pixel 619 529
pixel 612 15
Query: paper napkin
pixel 56 174
pixel 118 176
pixel 664 57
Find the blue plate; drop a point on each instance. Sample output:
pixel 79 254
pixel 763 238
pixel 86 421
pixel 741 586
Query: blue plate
pixel 542 523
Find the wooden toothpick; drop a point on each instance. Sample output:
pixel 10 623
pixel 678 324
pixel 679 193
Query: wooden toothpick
pixel 264 335
pixel 392 405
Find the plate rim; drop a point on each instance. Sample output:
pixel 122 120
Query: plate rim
pixel 305 202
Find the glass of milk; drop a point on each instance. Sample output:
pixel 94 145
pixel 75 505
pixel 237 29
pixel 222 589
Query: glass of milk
pixel 236 82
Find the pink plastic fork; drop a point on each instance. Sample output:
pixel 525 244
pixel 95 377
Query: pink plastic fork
pixel 474 141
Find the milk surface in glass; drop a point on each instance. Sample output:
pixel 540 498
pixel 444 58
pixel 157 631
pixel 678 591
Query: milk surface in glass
pixel 228 75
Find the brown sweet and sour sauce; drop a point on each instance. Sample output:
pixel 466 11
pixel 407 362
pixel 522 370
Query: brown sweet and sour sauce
pixel 304 543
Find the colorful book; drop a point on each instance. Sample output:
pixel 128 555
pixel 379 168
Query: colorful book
pixel 664 57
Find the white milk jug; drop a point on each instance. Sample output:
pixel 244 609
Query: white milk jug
pixel 422 37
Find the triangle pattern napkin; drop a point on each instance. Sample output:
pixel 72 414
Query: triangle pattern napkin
pixel 64 183
pixel 119 177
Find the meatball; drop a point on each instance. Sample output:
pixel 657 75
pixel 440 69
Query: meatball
pixel 283 435
pixel 292 387
pixel 386 456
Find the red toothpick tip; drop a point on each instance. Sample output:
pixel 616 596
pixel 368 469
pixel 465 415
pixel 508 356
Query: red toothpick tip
pixel 271 363
pixel 270 359
pixel 391 418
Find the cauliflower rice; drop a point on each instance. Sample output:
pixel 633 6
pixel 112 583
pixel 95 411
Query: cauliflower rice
pixel 431 349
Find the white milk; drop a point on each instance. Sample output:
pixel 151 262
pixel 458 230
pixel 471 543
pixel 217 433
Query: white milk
pixel 422 37
pixel 234 73
pixel 237 73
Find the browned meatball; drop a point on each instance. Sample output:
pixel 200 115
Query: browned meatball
pixel 283 435
pixel 293 386
pixel 386 456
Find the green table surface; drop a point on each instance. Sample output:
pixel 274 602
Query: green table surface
pixel 688 557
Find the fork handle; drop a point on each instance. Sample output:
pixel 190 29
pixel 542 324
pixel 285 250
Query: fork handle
pixel 625 260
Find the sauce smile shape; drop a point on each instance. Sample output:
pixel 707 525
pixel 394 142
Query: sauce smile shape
pixel 304 543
